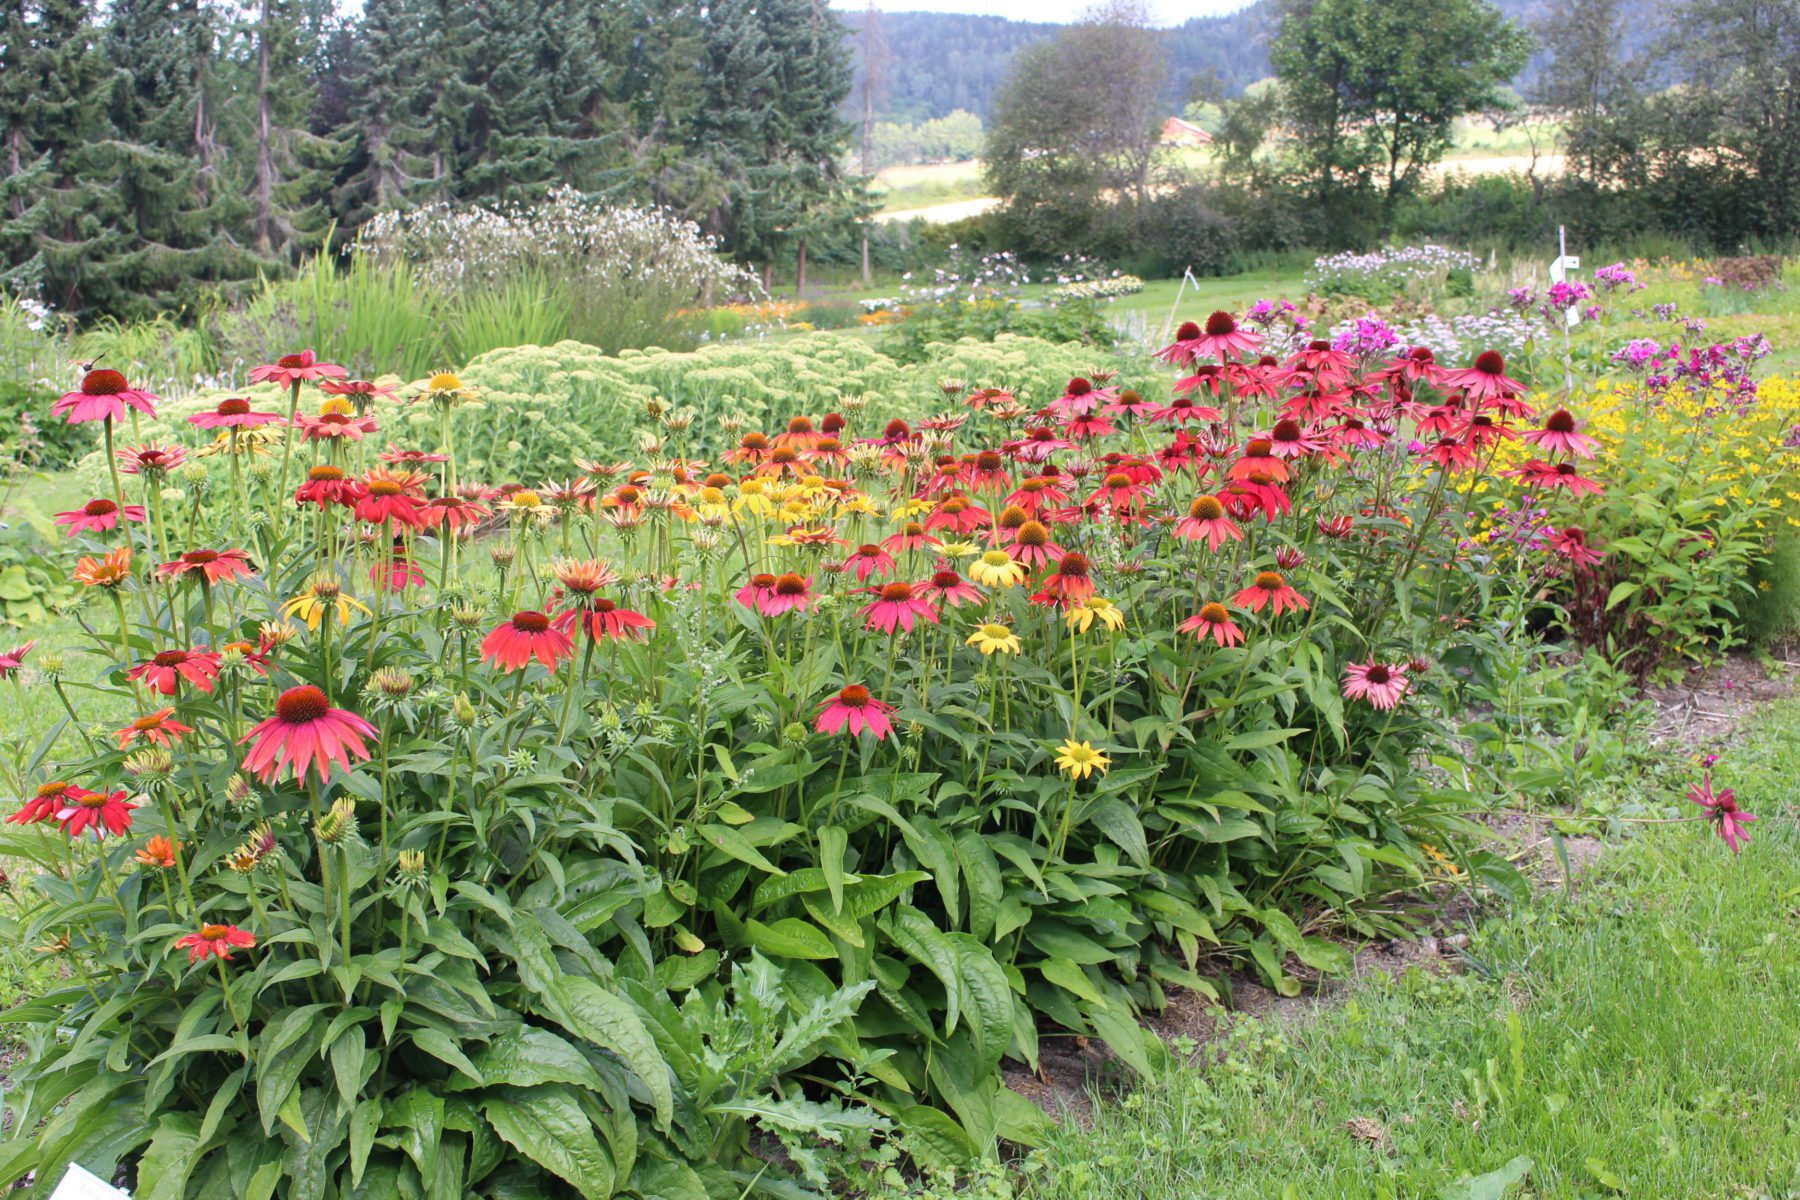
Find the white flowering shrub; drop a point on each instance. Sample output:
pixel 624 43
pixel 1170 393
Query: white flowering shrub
pixel 625 276
pixel 1411 271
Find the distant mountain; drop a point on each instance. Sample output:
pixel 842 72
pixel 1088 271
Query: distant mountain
pixel 930 64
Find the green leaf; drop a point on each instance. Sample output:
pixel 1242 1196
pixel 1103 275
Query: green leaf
pixel 583 1007
pixel 734 844
pixel 1119 1029
pixel 526 1056
pixel 546 1125
pixel 934 1139
pixel 169 1160
pixel 790 937
pixel 1492 1186
pixel 832 842
pixel 441 1047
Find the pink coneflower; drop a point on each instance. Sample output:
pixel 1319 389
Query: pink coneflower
pixel 166 671
pixel 1486 381
pixel 305 732
pixel 1078 399
pixel 399 572
pixel 1288 439
pixel 102 812
pixel 1419 366
pixel 855 711
pixel 1118 490
pixel 1336 528
pixel 949 587
pixel 360 392
pixel 215 566
pixel 1352 431
pixel 757 592
pixel 1035 546
pixel 1571 543
pixel 1723 811
pixel 157 728
pixel 958 514
pixel 1540 474
pixel 801 434
pixel 1257 494
pixel 1270 589
pixel 326 485
pixel 1038 445
pixel 12 660
pixel 1130 404
pixel 99 516
pixel 791 592
pixel 1561 435
pixel 988 471
pixel 290 369
pixel 525 636
pixel 896 605
pixel 1071 582
pixel 233 413
pixel 1258 459
pixel 1087 428
pixel 1206 520
pixel 151 460
pixel 1181 410
pixel 867 561
pixel 335 426
pixel 1038 492
pixel 1481 431
pixel 1381 684
pixel 1222 336
pixel 394 456
pixel 215 941
pixel 601 618
pixel 1214 621
pixel 912 536
pixel 1328 367
pixel 104 395
pixel 391 496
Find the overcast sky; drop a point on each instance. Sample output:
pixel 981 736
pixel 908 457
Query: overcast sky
pixel 1167 11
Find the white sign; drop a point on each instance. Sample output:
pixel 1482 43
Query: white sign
pixel 81 1184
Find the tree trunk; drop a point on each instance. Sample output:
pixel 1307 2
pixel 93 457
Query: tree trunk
pixel 800 270
pixel 868 278
pixel 263 220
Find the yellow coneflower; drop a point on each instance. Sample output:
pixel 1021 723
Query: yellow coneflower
pixel 1081 617
pixel 992 639
pixel 997 569
pixel 321 596
pixel 1078 760
pixel 447 389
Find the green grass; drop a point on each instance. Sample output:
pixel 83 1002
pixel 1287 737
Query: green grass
pixel 1641 1038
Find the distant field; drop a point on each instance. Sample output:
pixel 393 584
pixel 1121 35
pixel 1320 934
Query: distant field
pixel 942 192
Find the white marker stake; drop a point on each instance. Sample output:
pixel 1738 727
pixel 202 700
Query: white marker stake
pixel 1559 273
pixel 79 1183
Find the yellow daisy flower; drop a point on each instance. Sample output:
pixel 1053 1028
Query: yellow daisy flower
pixel 321 596
pixel 990 639
pixel 1081 617
pixel 1078 760
pixel 997 569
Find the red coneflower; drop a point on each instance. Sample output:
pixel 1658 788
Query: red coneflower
pixel 102 812
pixel 1087 428
pixel 868 560
pixel 1270 589
pixel 988 470
pixel 391 496
pixel 1258 459
pixel 912 536
pixel 394 456
pixel 1183 409
pixel 233 413
pixel 326 484
pixel 959 514
pixel 1481 430
pixel 1571 543
pixel 1130 404
pixel 1352 431
pixel 1038 492
pixel 791 592
pixel 1722 810
pixel 1119 491
pixel 1328 367
pixel 1071 582
pixel 757 591
pixel 305 732
pixel 215 566
pixel 855 710
pixel 1257 494
pixel 947 586
pixel 1038 444
pixel 1452 454
pixel 1288 439
pixel 46 803
pixel 896 605
pixel 215 940
pixel 458 512
pixel 1336 528
pixel 1485 381
pixel 1419 366
pixel 800 434
pixel 1214 621
pixel 524 636
pixel 1540 474
pixel 99 516
pixel 1561 435
pixel 12 660
pixel 1079 398
pixel 601 618
pixel 157 728
pixel 1206 519
pixel 290 369
pixel 103 395
pixel 399 572
pixel 360 392
pixel 164 672
pixel 1383 685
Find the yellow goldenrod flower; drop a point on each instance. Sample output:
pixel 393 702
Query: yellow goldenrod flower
pixel 997 569
pixel 1078 760
pixel 1081 617
pixel 990 639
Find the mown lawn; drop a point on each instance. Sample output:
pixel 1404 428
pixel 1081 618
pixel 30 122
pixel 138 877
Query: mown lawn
pixel 1641 1038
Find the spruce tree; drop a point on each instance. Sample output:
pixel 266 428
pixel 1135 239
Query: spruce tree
pixel 291 166
pixel 388 97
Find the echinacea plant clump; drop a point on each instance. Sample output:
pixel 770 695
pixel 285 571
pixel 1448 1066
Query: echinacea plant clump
pixel 645 827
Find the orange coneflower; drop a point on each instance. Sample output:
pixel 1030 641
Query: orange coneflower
pixel 108 572
pixel 525 636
